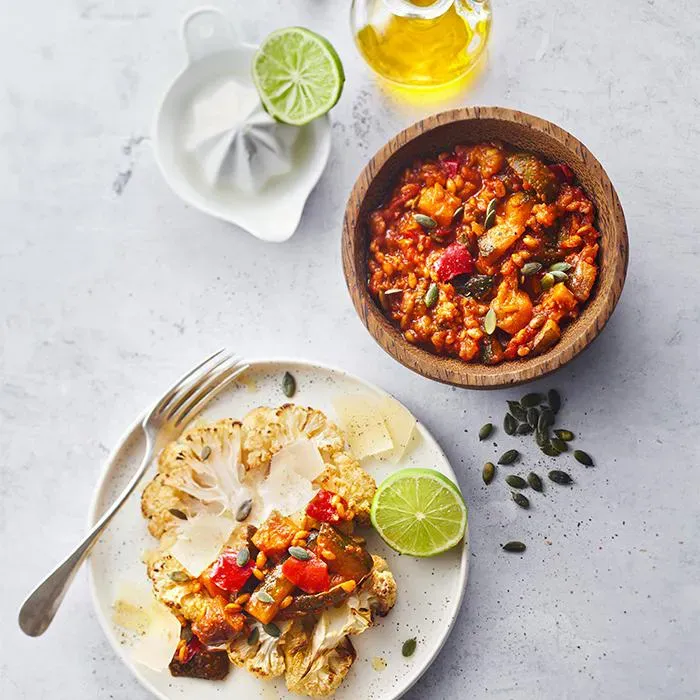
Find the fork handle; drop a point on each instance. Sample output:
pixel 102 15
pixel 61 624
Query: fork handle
pixel 39 609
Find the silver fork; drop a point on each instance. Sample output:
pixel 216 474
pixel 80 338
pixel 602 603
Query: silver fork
pixel 164 422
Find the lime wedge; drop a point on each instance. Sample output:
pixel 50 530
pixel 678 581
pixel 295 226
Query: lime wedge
pixel 419 512
pixel 298 75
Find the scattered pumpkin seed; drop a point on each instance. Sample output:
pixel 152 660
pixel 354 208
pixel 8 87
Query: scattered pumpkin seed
pixel 532 399
pixel 517 482
pixel 541 438
pixel 485 431
pixel 517 410
pixel 459 211
pixel 488 472
pixel 520 499
pixel 566 435
pixel 554 400
pixel 546 420
pixel 409 646
pixel 272 629
pixel 559 477
pixel 550 450
pixel 533 416
pixel 490 213
pixel 510 425
pixel 547 282
pixel 179 576
pixel 254 636
pixel 177 513
pixel 524 429
pixel 289 385
pixel 426 222
pixel 583 457
pixel 265 597
pixel 509 457
pixel 531 268
pixel 559 445
pixel 243 557
pixel 514 546
pixel 534 481
pixel 490 322
pixel 431 296
pixel 244 510
pixel 559 276
pixel 206 451
pixel 560 267
pixel 299 553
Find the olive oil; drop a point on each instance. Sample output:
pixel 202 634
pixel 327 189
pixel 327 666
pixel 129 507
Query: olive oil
pixel 421 43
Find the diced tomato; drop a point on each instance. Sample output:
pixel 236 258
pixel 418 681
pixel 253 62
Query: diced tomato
pixel 451 166
pixel 321 508
pixel 311 575
pixel 227 575
pixel 456 260
pixel 563 173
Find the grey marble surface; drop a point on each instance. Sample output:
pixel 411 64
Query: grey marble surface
pixel 110 286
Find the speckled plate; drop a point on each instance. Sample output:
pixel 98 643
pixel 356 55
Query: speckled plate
pixel 429 590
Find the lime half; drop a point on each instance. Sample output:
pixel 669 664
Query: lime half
pixel 298 75
pixel 419 512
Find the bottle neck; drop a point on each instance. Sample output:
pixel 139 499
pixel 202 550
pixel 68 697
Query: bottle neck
pixel 418 9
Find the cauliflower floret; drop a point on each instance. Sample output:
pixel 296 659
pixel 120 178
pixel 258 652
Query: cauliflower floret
pixel 264 657
pixel 377 592
pixel 347 478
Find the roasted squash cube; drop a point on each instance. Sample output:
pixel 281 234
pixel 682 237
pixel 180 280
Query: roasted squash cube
pixel 437 203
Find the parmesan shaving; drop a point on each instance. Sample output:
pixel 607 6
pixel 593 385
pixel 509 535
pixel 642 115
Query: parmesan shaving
pixel 200 540
pixel 156 648
pixel 400 423
pixel 301 456
pixel 284 489
pixel 133 606
pixel 362 419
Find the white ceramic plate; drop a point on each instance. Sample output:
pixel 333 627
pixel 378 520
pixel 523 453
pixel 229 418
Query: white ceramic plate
pixel 429 590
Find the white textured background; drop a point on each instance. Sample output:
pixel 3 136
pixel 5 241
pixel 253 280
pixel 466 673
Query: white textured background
pixel 109 287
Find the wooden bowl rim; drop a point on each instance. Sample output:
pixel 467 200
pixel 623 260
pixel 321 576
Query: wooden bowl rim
pixel 449 370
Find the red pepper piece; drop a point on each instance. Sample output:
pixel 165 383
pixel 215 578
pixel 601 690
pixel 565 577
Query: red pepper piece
pixel 226 573
pixel 320 507
pixel 311 575
pixel 456 260
pixel 563 173
pixel 451 166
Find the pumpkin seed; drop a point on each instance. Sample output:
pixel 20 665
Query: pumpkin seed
pixel 550 450
pixel 566 435
pixel 559 477
pixel 524 429
pixel 542 438
pixel 517 482
pixel 426 222
pixel 546 419
pixel 509 457
pixel 490 322
pixel 533 416
pixel 517 410
pixel 254 636
pixel 520 499
pixel 534 481
pixel 459 212
pixel 547 282
pixel 177 513
pixel 265 597
pixel 485 431
pixel 531 268
pixel 559 276
pixel 244 510
pixel 510 425
pixel 206 451
pixel 490 213
pixel 532 399
pixel 243 557
pixel 558 444
pixel 583 457
pixel 409 646
pixel 554 400
pixel 488 472
pixel 560 267
pixel 289 385
pixel 299 553
pixel 431 296
pixel 514 546
pixel 179 576
pixel 272 629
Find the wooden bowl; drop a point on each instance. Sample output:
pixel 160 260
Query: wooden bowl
pixel 442 132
